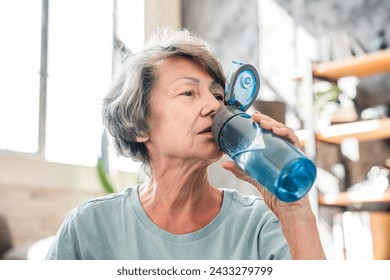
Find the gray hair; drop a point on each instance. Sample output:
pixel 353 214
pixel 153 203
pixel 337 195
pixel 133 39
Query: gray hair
pixel 126 107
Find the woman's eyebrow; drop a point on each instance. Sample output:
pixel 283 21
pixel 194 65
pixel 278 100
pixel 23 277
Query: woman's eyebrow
pixel 215 84
pixel 195 80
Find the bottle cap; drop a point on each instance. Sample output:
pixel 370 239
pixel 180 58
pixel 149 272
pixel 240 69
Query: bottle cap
pixel 221 118
pixel 242 85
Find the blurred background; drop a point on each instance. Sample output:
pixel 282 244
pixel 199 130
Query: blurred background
pixel 324 67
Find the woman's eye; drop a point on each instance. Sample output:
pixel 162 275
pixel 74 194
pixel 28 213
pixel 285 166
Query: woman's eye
pixel 218 96
pixel 188 93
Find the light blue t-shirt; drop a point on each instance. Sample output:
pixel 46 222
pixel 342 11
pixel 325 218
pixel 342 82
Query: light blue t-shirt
pixel 116 227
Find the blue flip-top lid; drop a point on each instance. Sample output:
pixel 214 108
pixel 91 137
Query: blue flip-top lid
pixel 242 85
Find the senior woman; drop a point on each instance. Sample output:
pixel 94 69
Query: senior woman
pixel 159 112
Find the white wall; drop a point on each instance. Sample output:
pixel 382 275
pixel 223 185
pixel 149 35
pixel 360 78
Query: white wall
pixel 161 13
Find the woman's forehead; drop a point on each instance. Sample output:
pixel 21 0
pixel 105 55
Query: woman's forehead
pixel 180 67
pixel 177 67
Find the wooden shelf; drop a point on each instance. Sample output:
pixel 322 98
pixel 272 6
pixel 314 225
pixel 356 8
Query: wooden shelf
pixel 349 198
pixel 362 130
pixel 359 66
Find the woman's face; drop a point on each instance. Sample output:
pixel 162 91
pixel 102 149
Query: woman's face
pixel 183 103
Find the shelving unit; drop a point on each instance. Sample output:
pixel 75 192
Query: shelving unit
pixel 360 66
pixel 363 131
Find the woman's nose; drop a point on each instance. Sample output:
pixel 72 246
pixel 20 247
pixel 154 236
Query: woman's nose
pixel 211 105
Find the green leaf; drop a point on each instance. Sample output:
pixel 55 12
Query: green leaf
pixel 103 178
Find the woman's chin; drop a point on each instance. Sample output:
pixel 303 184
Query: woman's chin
pixel 217 155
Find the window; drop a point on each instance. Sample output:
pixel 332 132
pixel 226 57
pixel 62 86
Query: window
pixel 79 73
pixel 19 71
pixel 79 53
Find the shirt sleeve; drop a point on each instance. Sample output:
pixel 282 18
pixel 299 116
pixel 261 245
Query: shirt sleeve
pixel 65 245
pixel 272 242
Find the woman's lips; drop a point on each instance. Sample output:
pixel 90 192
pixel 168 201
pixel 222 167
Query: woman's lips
pixel 206 130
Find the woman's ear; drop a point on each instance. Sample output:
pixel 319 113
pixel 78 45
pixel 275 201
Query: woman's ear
pixel 142 139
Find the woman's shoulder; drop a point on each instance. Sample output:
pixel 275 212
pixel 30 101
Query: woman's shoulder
pixel 109 202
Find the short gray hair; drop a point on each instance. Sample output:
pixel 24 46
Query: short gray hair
pixel 126 107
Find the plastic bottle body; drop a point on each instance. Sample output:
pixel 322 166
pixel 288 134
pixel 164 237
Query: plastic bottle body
pixel 270 160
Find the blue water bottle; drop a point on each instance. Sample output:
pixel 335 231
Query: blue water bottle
pixel 269 159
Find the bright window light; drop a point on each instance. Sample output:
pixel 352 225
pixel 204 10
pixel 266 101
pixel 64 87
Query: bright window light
pixel 20 29
pixel 130 23
pixel 79 73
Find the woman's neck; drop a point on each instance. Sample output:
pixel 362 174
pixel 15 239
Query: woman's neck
pixel 180 199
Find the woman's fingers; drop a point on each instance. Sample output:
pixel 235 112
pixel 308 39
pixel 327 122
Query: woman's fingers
pixel 278 128
pixel 288 134
pixel 229 165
